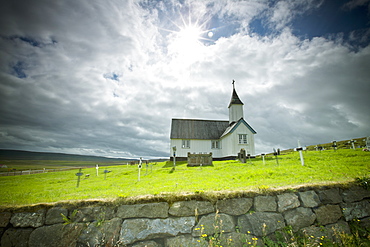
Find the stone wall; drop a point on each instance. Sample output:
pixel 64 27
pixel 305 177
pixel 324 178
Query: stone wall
pixel 236 221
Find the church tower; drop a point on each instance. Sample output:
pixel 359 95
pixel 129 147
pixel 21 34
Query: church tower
pixel 235 107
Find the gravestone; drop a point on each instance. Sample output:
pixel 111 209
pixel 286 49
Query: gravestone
pixel 242 155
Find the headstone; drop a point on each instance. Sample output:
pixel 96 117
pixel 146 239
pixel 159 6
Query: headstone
pixel 97 170
pixel 174 156
pixel 242 156
pixel 263 158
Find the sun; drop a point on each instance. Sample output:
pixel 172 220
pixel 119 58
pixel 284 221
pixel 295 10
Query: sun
pixel 189 34
pixel 186 43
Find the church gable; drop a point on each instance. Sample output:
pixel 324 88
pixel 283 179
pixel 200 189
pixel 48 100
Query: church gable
pixel 235 125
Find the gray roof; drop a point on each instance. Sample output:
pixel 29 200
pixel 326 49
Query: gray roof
pixel 197 129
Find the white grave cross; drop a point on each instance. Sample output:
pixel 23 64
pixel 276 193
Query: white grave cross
pixel 299 149
pixel 139 168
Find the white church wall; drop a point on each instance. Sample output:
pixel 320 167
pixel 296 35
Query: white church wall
pixel 231 146
pixel 196 146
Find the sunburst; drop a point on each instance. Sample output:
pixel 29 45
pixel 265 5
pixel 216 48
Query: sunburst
pixel 187 42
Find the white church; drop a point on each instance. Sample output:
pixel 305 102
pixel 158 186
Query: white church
pixel 224 139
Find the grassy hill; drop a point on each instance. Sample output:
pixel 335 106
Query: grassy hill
pixel 25 160
pixel 26 155
pixel 161 180
pixel 343 144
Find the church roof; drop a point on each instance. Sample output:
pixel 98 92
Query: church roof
pixel 198 129
pixel 235 99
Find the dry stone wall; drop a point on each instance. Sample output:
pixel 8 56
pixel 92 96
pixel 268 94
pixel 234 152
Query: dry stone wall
pixel 236 221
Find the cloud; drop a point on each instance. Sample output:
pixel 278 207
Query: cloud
pixel 356 3
pixel 93 78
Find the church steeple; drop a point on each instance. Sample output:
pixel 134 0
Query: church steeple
pixel 235 107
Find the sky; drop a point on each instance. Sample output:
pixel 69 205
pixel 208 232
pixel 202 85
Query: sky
pixel 105 78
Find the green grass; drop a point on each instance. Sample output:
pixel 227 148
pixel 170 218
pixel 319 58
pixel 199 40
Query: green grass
pixel 320 167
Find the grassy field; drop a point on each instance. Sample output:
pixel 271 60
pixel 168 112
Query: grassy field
pixel 160 178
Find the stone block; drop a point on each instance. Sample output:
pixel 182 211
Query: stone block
pixel 28 219
pixel 335 230
pixel 89 214
pixel 134 230
pixel 150 210
pixel 299 218
pixel 214 223
pixel 236 206
pixel 17 237
pixel 185 241
pixel 260 223
pixel 330 196
pixel 265 204
pixel 287 201
pixel 315 233
pixel 309 199
pixel 56 235
pixel 191 208
pixel 5 218
pixel 356 210
pixel 53 215
pixel 105 233
pixel 355 194
pixel 328 214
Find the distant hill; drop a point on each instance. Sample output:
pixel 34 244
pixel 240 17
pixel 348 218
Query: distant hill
pixel 344 144
pixel 6 154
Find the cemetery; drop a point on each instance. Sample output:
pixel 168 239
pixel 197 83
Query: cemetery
pixel 271 197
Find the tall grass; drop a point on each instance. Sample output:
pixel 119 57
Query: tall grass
pixel 122 181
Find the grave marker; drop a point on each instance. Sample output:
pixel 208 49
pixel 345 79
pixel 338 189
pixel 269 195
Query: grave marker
pixel 139 168
pixel 263 158
pixel 334 145
pixel 352 142
pixel 174 156
pixel 97 170
pixel 299 149
pixel 276 156
pixel 368 143
pixel 79 174
pixel 105 174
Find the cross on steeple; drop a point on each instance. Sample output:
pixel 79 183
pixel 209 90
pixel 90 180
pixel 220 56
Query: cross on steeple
pixel 233 84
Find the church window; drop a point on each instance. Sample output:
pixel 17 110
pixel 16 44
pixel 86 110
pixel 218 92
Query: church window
pixel 243 139
pixel 185 143
pixel 216 144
